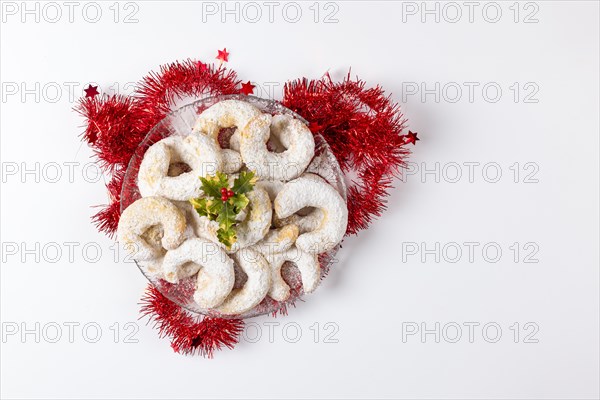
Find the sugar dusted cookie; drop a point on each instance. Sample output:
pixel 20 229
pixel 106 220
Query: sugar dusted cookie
pixel 226 114
pixel 311 191
pixel 213 266
pixel 154 216
pixel 200 153
pixel 295 137
pixel 307 264
pixel 255 288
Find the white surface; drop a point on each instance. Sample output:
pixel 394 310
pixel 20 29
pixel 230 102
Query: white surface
pixel 371 294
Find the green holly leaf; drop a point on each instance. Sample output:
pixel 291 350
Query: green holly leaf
pixel 199 203
pixel 206 207
pixel 214 206
pixel 244 183
pixel 227 236
pixel 211 186
pixel 224 212
pixel 239 202
pixel 201 206
pixel 226 217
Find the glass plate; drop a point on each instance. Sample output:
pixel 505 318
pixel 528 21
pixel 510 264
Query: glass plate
pixel 181 122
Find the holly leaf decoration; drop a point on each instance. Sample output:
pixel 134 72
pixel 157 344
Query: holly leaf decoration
pixel 206 207
pixel 222 204
pixel 212 185
pixel 244 183
pixel 227 236
pixel 226 217
pixel 239 202
pixel 201 206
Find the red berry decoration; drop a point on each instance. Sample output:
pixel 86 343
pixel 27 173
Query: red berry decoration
pixel 224 197
pixel 230 193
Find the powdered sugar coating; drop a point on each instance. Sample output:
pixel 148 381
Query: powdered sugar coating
pixel 271 187
pixel 152 267
pixel 232 161
pixel 257 222
pixel 201 153
pixel 293 135
pixel 308 221
pixel 213 266
pixel 305 223
pixel 311 191
pixel 278 240
pixel 256 287
pixel 307 264
pixel 225 114
pixel 144 214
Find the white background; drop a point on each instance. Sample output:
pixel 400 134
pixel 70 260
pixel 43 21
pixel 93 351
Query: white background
pixel 379 289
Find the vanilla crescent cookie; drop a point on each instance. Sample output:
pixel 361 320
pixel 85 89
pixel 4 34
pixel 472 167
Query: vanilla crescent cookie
pixel 257 221
pixel 278 240
pixel 305 223
pixel 200 153
pixel 308 221
pixel 307 264
pixel 226 114
pixel 232 161
pixel 272 187
pixel 293 135
pixel 311 191
pixel 256 287
pixel 214 268
pixel 152 267
pixel 142 216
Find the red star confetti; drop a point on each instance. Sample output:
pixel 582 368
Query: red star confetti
pixel 247 88
pixel 91 91
pixel 411 138
pixel 223 55
pixel 202 66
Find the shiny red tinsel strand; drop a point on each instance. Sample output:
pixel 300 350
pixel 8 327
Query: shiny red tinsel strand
pixel 107 219
pixel 113 130
pixel 187 333
pixel 363 127
pixel 158 91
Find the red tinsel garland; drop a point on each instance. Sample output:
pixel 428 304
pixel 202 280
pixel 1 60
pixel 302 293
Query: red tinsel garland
pixel 107 219
pixel 158 91
pixel 362 126
pixel 187 334
pixel 113 130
